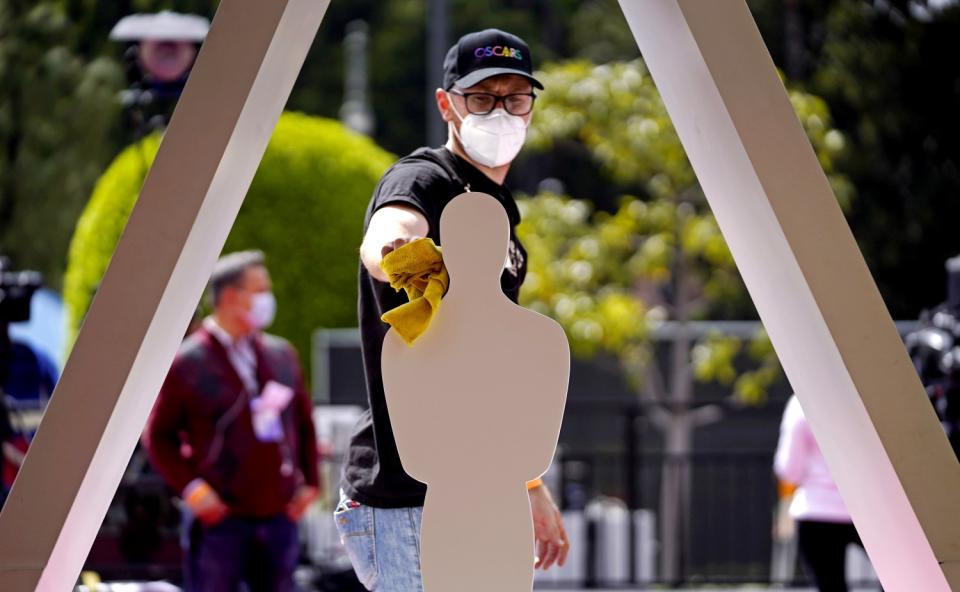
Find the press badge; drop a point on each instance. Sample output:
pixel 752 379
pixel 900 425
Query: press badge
pixel 265 411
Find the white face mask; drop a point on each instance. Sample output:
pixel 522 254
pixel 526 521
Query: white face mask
pixel 493 139
pixel 262 310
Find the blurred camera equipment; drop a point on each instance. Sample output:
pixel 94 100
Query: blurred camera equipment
pixel 16 291
pixel 161 50
pixel 935 351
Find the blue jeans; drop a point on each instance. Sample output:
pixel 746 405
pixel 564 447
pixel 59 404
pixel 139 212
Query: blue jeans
pixel 261 552
pixel 383 545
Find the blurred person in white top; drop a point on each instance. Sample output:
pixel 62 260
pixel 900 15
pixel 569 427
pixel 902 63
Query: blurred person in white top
pixel 824 526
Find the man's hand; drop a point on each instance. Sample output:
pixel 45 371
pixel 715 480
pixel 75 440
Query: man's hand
pixel 204 502
pixel 302 498
pixel 552 542
pixel 396 244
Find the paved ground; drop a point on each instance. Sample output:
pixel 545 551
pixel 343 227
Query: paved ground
pixel 710 588
pixel 700 589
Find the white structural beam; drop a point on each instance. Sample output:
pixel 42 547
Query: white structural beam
pixel 808 279
pixel 814 293
pixel 188 203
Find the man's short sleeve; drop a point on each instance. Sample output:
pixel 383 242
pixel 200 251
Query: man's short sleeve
pixel 411 184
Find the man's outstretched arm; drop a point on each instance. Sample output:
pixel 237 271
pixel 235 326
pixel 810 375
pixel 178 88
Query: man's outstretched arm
pixel 390 228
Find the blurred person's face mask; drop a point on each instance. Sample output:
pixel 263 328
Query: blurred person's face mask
pixel 493 139
pixel 263 309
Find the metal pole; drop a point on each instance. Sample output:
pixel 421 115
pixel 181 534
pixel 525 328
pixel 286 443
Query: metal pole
pixel 356 112
pixel 438 41
pixel 630 475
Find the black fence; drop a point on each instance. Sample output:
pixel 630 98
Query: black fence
pixel 724 534
pixel 725 499
pixel 609 451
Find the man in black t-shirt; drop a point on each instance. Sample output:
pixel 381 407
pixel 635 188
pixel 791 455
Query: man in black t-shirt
pixel 487 101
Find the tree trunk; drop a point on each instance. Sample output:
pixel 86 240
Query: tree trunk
pixel 678 437
pixel 675 495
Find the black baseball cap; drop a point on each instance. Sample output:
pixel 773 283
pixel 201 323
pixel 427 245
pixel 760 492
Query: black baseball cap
pixel 491 52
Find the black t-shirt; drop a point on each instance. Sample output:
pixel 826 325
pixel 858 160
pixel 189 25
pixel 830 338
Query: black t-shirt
pixel 427 180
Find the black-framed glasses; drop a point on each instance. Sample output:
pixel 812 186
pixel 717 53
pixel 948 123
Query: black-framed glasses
pixel 481 103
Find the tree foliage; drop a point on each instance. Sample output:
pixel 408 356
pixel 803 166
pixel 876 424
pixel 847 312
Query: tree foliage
pixel 890 73
pixel 885 68
pixel 304 209
pixel 57 112
pixel 608 277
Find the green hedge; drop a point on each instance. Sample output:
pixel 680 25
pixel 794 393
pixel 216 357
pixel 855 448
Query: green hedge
pixel 304 210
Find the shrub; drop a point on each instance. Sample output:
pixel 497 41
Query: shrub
pixel 304 209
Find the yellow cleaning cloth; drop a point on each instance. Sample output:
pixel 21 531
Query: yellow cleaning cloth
pixel 417 268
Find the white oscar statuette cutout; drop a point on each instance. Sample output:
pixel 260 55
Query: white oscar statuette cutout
pixel 476 405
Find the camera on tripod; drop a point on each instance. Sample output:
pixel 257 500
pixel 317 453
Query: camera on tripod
pixel 16 291
pixel 935 351
pixel 934 348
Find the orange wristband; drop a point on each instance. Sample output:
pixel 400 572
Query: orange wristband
pixel 534 484
pixel 785 489
pixel 197 491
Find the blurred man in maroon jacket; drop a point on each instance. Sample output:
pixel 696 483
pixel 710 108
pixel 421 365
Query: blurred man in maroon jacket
pixel 232 433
